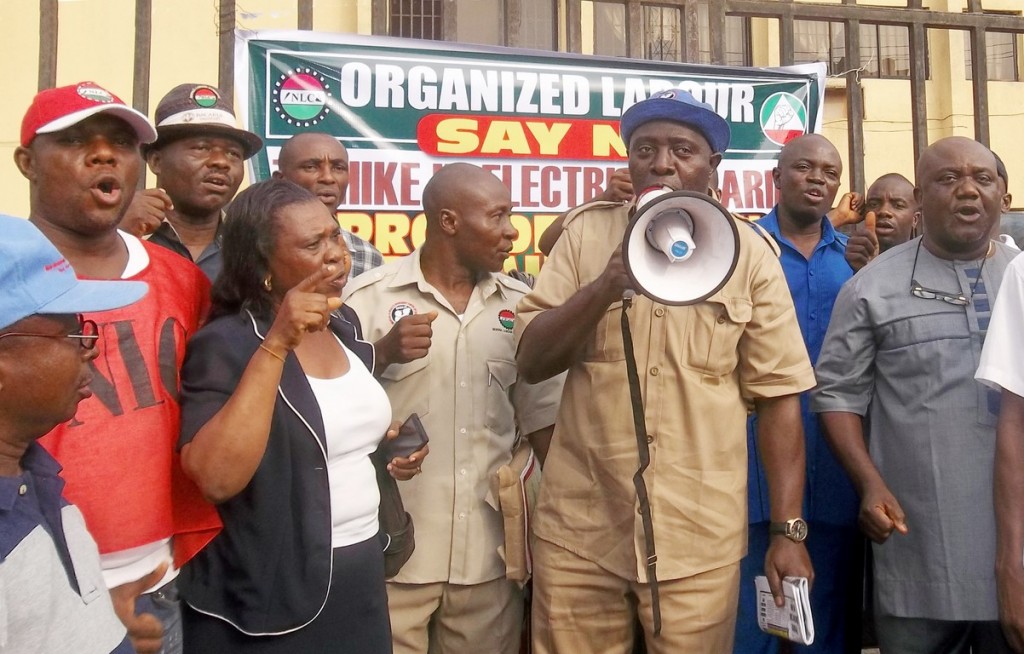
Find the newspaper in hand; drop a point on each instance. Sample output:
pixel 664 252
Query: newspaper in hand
pixel 793 621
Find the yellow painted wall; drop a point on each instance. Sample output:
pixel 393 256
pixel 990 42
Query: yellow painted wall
pixel 96 41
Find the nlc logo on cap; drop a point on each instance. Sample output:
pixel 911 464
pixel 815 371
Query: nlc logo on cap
pixel 205 96
pixel 94 93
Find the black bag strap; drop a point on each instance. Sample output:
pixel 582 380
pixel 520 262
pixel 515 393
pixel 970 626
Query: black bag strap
pixel 644 451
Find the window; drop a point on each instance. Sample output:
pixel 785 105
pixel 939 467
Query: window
pixel 476 21
pixel 416 19
pixel 537 29
pixel 606 30
pixel 1000 53
pixel 885 50
pixel 662 39
pixel 609 28
pixel 816 40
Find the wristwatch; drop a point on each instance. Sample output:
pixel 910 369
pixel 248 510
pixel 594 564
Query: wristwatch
pixel 795 529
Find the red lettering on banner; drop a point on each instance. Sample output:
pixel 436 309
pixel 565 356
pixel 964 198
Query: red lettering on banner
pixel 527 184
pixel 753 195
pixel 504 136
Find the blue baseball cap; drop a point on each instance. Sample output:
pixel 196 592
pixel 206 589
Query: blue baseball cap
pixel 36 279
pixel 681 107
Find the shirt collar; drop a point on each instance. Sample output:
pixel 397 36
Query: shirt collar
pixel 829 235
pixel 37 462
pixel 409 272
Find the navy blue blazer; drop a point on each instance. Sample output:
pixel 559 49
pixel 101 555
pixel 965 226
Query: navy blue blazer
pixel 270 568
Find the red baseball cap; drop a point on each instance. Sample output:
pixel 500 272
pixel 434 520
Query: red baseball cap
pixel 55 109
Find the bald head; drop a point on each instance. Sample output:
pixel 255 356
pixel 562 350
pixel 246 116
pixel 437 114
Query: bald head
pixel 960 195
pixel 317 162
pixel 456 184
pixel 807 178
pixel 469 222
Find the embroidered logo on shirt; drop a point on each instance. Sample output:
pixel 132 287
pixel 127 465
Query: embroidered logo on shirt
pixel 400 310
pixel 506 319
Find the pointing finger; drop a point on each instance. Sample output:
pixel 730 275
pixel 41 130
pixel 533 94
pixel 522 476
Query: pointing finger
pixel 309 284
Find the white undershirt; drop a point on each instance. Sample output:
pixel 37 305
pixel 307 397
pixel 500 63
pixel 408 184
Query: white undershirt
pixel 356 414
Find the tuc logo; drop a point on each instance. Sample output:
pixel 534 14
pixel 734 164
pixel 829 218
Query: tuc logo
pixel 300 97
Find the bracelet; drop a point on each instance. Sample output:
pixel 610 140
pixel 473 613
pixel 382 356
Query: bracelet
pixel 271 353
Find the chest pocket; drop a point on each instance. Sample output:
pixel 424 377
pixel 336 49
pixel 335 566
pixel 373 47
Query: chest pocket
pixel 414 372
pixel 713 335
pixel 606 345
pixel 501 376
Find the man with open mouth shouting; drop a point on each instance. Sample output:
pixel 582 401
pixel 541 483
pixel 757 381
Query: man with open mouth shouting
pixel 80 153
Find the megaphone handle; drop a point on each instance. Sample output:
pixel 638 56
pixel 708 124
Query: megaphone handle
pixel 639 425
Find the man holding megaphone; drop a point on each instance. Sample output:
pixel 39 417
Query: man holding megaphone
pixel 666 549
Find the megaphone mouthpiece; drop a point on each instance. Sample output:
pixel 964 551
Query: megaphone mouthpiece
pixel 671 232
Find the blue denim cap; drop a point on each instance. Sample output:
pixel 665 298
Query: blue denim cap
pixel 36 278
pixel 680 107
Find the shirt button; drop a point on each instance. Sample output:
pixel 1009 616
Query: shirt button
pixel 813 317
pixel 462 472
pixel 462 516
pixel 650 439
pixel 721 320
pixel 659 312
pixel 22 489
pixel 639 511
pixel 462 431
pixel 462 384
pixel 655 372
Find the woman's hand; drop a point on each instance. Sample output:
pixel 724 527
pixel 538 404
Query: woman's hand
pixel 302 310
pixel 405 468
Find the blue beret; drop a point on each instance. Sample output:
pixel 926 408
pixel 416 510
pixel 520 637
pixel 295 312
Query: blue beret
pixel 680 107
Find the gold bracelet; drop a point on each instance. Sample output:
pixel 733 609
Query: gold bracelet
pixel 271 353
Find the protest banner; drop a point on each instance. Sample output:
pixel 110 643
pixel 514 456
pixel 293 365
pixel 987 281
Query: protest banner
pixel 545 123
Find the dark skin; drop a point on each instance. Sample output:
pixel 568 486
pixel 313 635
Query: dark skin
pixel 316 162
pixel 308 271
pixel 81 181
pixel 32 404
pixel 891 216
pixel 199 174
pixel 666 153
pixel 959 195
pixel 469 236
pixel 807 177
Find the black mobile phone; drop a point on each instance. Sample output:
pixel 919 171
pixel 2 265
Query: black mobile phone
pixel 411 437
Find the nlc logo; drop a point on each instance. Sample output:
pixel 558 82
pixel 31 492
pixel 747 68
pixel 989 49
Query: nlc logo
pixel 300 97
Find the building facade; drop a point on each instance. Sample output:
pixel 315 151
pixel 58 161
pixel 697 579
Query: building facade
pixel 902 73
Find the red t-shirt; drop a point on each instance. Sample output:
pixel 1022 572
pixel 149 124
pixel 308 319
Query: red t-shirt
pixel 119 452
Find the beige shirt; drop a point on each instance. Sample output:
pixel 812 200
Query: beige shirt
pixel 699 368
pixel 466 391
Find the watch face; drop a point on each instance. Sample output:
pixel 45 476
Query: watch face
pixel 797 530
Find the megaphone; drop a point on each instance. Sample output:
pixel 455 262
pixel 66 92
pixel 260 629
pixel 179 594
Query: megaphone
pixel 680 247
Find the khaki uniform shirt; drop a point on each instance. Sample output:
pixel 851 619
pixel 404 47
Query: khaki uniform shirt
pixel 699 366
pixel 466 391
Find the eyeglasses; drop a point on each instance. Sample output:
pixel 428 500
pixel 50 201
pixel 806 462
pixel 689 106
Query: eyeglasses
pixel 87 334
pixel 924 293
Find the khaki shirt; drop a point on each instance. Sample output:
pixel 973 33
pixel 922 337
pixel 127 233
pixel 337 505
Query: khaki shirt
pixel 466 391
pixel 699 366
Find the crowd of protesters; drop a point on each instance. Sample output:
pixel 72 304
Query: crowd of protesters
pixel 201 391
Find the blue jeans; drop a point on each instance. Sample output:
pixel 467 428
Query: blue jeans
pixel 163 603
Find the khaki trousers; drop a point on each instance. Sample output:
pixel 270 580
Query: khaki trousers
pixel 444 618
pixel 579 607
